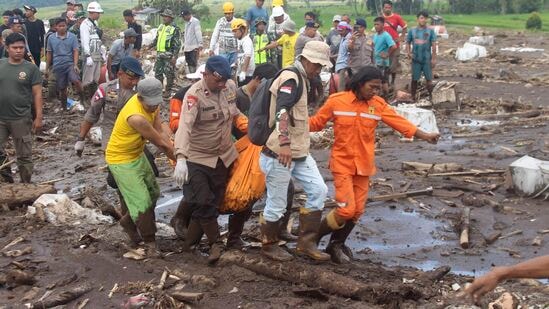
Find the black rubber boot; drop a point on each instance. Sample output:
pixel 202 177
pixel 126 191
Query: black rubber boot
pixel 193 235
pixel 283 232
pixel 181 219
pixel 340 253
pixel 309 222
pixel 211 229
pixel 269 242
pixel 236 227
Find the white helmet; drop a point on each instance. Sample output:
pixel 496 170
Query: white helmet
pixel 94 7
pixel 278 11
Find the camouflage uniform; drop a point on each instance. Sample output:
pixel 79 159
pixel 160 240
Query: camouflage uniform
pixel 165 54
pixel 75 29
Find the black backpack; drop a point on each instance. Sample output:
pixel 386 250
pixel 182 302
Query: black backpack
pixel 259 113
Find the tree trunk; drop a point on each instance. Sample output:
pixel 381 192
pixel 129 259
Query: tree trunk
pixel 22 193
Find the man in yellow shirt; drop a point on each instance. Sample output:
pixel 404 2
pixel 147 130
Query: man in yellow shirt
pixel 287 41
pixel 137 122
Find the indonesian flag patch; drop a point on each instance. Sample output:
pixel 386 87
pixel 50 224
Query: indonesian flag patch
pixel 286 89
pixel 191 101
pixel 99 94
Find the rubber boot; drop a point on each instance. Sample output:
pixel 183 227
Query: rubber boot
pixel 211 229
pixel 309 222
pixel 25 173
pixel 332 222
pixel 192 68
pixel 146 225
pixel 5 172
pixel 193 235
pixel 182 217
pixel 269 242
pixel 127 223
pixel 283 231
pixel 340 253
pixel 236 227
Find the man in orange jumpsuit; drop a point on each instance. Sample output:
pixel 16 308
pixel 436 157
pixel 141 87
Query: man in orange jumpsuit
pixel 355 114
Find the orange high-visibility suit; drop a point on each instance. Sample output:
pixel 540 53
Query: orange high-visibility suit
pixel 352 158
pixel 175 113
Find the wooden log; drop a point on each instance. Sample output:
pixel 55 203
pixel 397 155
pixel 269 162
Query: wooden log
pixel 490 239
pixel 468 173
pixel 319 277
pixel 465 222
pixel 21 193
pixel 62 298
pixel 388 197
pixel 431 168
pixel 505 116
pixel 187 297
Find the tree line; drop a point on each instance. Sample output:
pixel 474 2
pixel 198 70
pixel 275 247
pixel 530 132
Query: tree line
pixel 410 7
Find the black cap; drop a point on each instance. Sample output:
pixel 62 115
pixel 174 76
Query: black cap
pixel 30 8
pixel 7 13
pixel 128 13
pixel 185 13
pixel 361 22
pixel 312 24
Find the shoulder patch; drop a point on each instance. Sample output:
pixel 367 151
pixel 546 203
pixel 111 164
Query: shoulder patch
pixel 191 101
pixel 99 93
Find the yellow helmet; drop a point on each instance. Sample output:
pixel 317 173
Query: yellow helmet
pixel 278 3
pixel 228 7
pixel 237 23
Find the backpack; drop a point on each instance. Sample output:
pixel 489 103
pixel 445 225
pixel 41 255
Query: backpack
pixel 260 107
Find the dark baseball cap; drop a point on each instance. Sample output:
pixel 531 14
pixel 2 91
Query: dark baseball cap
pixel 7 13
pixel 15 20
pixel 30 8
pixel 131 66
pixel 128 13
pixel 219 66
pixel 360 22
pixel 312 24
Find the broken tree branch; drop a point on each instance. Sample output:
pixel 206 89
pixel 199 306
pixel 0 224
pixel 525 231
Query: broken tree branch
pixel 465 222
pixel 388 197
pixel 63 297
pixel 315 277
pixel 468 173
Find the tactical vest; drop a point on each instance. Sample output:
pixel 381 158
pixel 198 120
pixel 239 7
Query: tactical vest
pixel 165 34
pixel 260 41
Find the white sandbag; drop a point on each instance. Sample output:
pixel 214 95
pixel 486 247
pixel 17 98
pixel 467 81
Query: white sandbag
pixel 149 37
pixel 180 63
pixel 530 176
pixel 59 209
pixel 470 51
pixel 422 118
pixel 485 40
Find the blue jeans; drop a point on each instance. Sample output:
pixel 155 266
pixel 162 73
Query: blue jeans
pixel 231 57
pixel 278 177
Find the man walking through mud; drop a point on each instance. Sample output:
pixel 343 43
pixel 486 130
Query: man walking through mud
pixel 205 150
pixel 137 122
pixel 21 105
pixel 286 155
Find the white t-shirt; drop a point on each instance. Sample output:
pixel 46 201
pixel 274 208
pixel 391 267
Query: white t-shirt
pixel 246 49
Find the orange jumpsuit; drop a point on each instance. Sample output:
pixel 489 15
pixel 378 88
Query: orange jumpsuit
pixel 175 113
pixel 352 158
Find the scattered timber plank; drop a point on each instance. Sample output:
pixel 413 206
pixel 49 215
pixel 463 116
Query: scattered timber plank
pixel 21 193
pixel 465 223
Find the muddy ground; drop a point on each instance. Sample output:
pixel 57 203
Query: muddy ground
pixel 395 242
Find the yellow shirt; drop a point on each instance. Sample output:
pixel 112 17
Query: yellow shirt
pixel 126 144
pixel 288 49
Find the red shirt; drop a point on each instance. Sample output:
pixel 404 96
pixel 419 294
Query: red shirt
pixel 391 25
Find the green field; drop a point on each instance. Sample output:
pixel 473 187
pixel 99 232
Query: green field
pixel 113 16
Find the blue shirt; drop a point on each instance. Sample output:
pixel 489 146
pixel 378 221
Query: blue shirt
pixel 62 48
pixel 382 43
pixel 253 14
pixel 342 61
pixel 422 40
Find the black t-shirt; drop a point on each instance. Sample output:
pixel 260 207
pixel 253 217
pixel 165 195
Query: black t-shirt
pixel 139 39
pixel 3 27
pixel 35 35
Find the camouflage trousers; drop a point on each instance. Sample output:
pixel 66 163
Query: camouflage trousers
pixel 163 67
